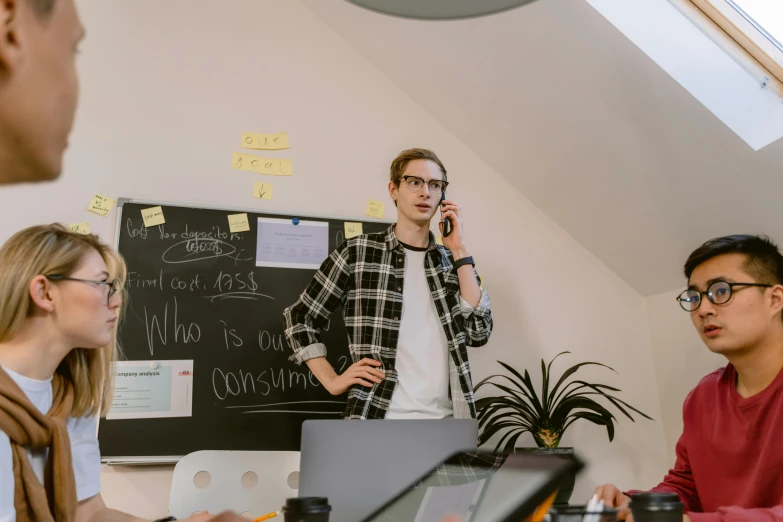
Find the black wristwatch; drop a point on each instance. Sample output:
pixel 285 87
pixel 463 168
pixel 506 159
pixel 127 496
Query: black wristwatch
pixel 464 261
pixel 167 519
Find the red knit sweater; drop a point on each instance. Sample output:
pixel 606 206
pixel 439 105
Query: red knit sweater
pixel 730 455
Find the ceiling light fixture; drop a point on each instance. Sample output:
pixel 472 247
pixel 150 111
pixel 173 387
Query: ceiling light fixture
pixel 439 9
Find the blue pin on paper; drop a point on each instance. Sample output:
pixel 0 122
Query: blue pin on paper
pixel 295 221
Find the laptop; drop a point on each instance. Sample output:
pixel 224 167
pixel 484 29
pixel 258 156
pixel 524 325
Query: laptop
pixel 481 487
pixel 359 465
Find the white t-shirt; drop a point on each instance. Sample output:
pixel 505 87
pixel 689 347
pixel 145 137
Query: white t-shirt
pixel 85 454
pixel 422 362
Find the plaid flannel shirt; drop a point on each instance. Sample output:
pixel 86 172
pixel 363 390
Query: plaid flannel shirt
pixel 365 276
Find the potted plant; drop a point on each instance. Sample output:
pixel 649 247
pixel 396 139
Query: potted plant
pixel 545 415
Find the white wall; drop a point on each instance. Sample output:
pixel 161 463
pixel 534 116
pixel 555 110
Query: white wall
pixel 681 360
pixel 169 86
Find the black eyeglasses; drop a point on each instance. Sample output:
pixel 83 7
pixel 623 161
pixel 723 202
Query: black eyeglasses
pixel 718 293
pixel 111 285
pixel 415 184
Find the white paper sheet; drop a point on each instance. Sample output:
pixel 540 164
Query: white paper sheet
pixel 152 389
pixel 283 244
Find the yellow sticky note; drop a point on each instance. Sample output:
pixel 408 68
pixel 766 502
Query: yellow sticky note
pixel 251 140
pixel 439 240
pixel 353 230
pixel 270 166
pixel 238 223
pixel 259 165
pixel 79 228
pixel 375 209
pixel 276 167
pixel 152 216
pixel 262 190
pixel 285 167
pixel 246 162
pixel 101 205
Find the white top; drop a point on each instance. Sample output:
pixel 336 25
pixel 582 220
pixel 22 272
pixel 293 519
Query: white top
pixel 85 453
pixel 422 364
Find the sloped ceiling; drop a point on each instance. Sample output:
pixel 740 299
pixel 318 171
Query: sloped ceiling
pixel 585 125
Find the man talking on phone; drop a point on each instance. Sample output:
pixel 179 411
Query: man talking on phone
pixel 410 307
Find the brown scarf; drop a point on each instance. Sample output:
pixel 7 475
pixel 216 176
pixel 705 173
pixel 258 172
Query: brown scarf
pixel 27 427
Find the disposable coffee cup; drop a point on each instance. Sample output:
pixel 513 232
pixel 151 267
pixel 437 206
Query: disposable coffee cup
pixel 656 507
pixel 307 509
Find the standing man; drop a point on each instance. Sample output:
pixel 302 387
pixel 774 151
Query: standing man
pixel 410 307
pixel 38 86
pixel 729 456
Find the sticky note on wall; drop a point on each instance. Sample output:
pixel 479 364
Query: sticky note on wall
pixel 262 190
pixel 246 162
pixel 152 216
pixel 285 167
pixel 353 230
pixel 101 205
pixel 259 165
pixel 79 228
pixel 375 209
pixel 238 223
pixel 251 140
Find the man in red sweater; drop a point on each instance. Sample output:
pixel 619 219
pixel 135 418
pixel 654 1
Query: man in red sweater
pixel 730 455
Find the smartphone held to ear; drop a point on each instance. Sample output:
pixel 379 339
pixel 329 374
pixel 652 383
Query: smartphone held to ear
pixel 446 222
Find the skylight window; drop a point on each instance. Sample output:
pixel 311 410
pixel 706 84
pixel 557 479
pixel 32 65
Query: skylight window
pixel 765 15
pixel 757 25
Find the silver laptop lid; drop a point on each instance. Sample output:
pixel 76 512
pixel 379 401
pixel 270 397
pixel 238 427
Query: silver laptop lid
pixel 359 465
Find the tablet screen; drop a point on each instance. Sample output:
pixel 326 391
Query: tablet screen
pixel 479 487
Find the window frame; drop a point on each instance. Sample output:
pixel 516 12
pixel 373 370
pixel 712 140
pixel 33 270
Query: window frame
pixel 745 33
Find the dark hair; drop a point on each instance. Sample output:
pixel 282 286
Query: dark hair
pixel 763 260
pixel 42 7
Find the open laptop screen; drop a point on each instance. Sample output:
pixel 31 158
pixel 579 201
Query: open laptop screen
pixel 480 487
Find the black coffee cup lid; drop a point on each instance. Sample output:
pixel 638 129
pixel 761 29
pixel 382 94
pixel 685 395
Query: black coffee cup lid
pixel 307 505
pixel 653 500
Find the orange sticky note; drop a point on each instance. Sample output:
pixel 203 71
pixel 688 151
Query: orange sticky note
pixel 152 216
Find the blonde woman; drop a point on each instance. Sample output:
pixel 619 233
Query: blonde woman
pixel 60 301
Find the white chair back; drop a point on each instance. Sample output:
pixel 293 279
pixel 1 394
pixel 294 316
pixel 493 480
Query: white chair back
pixel 251 483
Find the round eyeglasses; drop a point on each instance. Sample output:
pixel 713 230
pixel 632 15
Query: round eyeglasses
pixel 718 293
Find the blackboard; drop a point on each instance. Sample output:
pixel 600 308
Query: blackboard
pixel 195 293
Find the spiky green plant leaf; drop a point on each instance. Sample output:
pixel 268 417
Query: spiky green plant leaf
pixel 520 409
